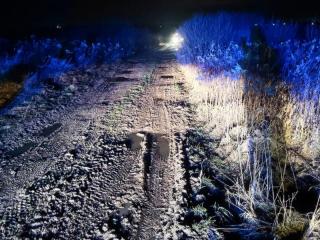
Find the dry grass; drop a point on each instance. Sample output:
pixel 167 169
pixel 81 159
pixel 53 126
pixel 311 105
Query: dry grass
pixel 313 231
pixel 8 90
pixel 216 99
pixel 271 127
pixel 302 126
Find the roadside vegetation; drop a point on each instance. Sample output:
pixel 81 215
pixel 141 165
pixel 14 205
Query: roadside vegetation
pixel 25 66
pixel 254 154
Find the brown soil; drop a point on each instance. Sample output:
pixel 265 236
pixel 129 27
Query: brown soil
pixel 8 90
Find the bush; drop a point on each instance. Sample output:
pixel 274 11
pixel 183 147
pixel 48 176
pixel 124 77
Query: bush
pixel 213 42
pixel 259 198
pixel 279 31
pixel 32 61
pixel 231 45
pixel 8 62
pixel 54 67
pixel 50 57
pixel 260 63
pixel 300 67
pixel 222 61
pixel 312 32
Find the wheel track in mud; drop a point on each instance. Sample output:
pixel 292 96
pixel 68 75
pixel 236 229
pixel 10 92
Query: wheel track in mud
pixel 165 183
pixel 84 119
pixel 74 118
pixel 110 172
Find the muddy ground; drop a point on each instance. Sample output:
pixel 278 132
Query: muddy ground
pixel 100 157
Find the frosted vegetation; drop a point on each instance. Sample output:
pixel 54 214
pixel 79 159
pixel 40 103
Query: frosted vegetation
pixel 216 44
pixel 255 88
pixel 41 59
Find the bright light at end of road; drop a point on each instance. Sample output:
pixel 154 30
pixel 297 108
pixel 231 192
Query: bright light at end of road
pixel 176 41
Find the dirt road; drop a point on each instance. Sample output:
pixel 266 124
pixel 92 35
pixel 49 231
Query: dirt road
pixel 100 158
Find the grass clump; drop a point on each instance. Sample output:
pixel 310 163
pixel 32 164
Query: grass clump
pixel 293 228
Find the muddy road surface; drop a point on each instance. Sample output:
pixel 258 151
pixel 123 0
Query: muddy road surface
pixel 99 157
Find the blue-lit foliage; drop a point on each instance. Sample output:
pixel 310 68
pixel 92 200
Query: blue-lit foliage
pixel 7 62
pixel 213 41
pixel 54 67
pixel 35 51
pixel 277 32
pixel 312 32
pixel 79 53
pixel 32 52
pixel 47 59
pixel 222 61
pixel 300 67
pixel 219 44
pixel 85 54
pixel 51 57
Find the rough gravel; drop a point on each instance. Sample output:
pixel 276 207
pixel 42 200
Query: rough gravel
pixel 100 158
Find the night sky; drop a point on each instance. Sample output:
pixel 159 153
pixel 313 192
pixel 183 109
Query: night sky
pixel 24 17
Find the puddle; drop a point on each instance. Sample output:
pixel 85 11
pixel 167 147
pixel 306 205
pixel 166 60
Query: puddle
pixel 136 141
pixel 21 150
pixel 167 77
pixel 46 132
pixel 163 146
pixel 123 79
pixel 126 72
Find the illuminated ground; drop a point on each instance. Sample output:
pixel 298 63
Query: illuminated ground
pixel 101 158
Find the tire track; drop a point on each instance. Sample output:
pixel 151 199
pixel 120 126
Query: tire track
pixel 165 176
pixel 114 167
pixel 74 175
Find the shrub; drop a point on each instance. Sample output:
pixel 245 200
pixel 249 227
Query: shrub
pixel 36 50
pixel 312 32
pixel 121 42
pixel 222 61
pixel 54 67
pixel 8 62
pixel 279 31
pixel 49 58
pixel 260 62
pixel 281 129
pixel 300 67
pixel 213 42
pixel 30 52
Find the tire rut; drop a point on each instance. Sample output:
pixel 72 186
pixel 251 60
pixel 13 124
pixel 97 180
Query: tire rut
pixel 110 168
pixel 164 176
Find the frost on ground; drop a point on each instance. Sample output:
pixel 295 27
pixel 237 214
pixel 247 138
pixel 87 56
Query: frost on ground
pixel 99 158
pixel 254 151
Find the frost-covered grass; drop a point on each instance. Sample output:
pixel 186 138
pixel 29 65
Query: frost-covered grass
pixel 214 41
pixel 219 45
pixel 277 32
pixel 50 58
pixel 300 67
pixel 80 53
pixel 313 231
pixel 279 132
pixel 259 161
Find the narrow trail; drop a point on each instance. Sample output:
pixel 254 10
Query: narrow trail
pixel 104 162
pixel 161 117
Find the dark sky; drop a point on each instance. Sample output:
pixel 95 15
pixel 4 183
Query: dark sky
pixel 24 16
